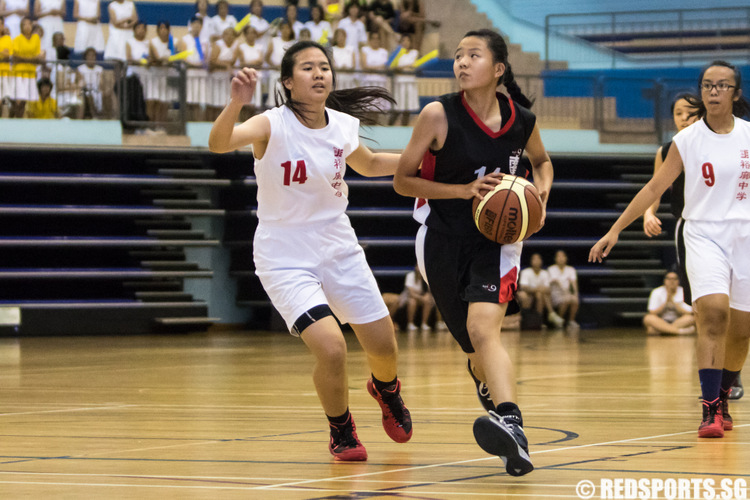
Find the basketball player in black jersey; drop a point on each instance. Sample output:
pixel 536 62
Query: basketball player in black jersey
pixel 685 113
pixel 465 142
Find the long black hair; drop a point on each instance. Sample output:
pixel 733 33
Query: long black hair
pixel 740 107
pixel 498 47
pixel 359 102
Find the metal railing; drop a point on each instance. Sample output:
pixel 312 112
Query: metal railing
pixel 672 37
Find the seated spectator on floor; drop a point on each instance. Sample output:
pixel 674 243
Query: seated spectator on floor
pixel 564 289
pixel 45 107
pixel 534 294
pixel 667 311
pixel 415 295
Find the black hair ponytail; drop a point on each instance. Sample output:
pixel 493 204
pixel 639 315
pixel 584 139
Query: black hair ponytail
pixel 359 102
pixel 498 47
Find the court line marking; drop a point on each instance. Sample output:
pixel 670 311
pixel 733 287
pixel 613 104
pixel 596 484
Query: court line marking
pixel 448 464
pixel 67 410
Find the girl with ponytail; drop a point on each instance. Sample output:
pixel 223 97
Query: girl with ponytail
pixel 305 251
pixel 465 142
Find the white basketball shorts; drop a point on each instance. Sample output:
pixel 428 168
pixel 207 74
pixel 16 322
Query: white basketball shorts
pixel 717 260
pixel 303 267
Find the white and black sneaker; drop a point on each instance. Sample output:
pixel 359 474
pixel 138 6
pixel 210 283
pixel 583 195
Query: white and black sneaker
pixel 503 436
pixel 483 392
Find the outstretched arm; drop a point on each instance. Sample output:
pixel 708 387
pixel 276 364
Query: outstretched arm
pixel 372 164
pixel 645 198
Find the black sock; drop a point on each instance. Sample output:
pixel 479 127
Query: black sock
pixel 509 409
pixel 710 379
pixel 380 386
pixel 341 420
pixel 727 380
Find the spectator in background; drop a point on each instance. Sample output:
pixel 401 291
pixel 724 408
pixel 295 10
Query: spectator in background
pixel 136 49
pixel 534 292
pixel 405 88
pixel 39 31
pixel 304 34
pixel 343 59
pixel 90 75
pixel 380 16
pixel 277 46
pixel 667 311
pixel 7 80
pixel 197 64
pixel 415 294
pixel 122 19
pixel 257 21
pixel 45 106
pixel 207 26
pixel 49 15
pixel 13 11
pixel 564 289
pixel 412 21
pixel 223 54
pixel 320 29
pixel 291 18
pixel 27 54
pixel 250 55
pixel 221 21
pixel 59 50
pixel 373 59
pixel 356 34
pixel 69 85
pixel 88 14
pixel 159 94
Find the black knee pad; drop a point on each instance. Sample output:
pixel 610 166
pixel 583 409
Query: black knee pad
pixel 311 316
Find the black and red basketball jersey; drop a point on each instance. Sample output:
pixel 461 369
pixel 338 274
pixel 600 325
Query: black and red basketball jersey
pixel 472 150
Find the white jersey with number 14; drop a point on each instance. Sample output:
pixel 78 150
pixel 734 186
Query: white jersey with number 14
pixel 301 175
pixel 717 172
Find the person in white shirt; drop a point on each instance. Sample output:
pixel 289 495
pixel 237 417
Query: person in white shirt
pixel 667 311
pixel 714 154
pixel 534 291
pixel 320 29
pixel 122 19
pixel 89 32
pixel 291 18
pixel 343 59
pixel 207 23
pixel 416 294
pixel 356 34
pixel 306 253
pixel 563 281
pixel 222 20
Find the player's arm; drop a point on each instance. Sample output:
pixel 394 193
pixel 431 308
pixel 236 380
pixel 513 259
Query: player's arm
pixel 651 223
pixel 541 166
pixel 225 136
pixel 430 131
pixel 651 192
pixel 372 164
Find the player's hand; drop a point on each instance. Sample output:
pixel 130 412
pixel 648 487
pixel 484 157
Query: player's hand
pixel 243 85
pixel 481 186
pixel 603 247
pixel 543 195
pixel 651 225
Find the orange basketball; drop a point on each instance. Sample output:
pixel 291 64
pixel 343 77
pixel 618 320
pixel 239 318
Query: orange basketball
pixel 509 213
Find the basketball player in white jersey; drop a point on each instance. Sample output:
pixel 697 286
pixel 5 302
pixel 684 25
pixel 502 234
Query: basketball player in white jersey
pixel 714 153
pixel 305 250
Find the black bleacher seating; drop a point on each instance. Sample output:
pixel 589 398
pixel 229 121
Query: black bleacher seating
pixel 94 240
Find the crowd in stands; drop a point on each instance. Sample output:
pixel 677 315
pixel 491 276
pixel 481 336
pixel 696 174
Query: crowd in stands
pixel 364 37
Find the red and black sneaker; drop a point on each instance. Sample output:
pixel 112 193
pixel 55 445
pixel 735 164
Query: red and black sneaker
pixel 712 425
pixel 396 417
pixel 344 444
pixel 726 417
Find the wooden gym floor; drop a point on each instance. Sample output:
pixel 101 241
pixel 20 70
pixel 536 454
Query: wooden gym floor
pixel 235 415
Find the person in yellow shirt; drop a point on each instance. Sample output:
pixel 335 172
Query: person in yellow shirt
pixel 7 82
pixel 46 106
pixel 26 55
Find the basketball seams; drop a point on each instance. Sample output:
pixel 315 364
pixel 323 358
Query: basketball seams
pixel 524 191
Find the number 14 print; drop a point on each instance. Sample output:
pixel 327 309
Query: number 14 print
pixel 300 173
